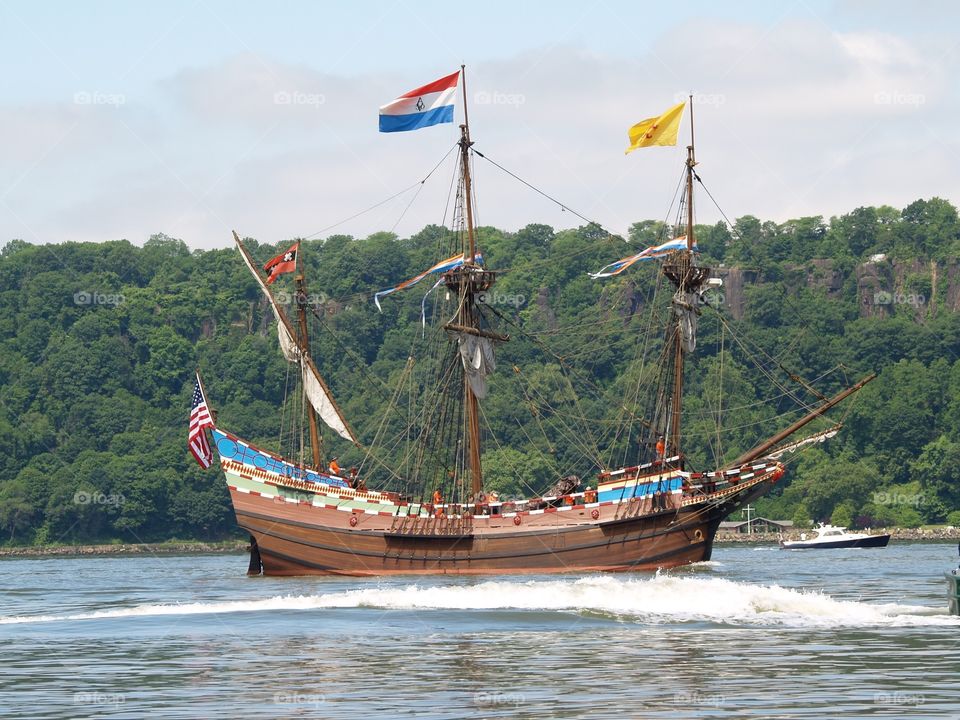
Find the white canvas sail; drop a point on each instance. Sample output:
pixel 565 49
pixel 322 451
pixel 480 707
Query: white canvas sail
pixel 322 403
pixel 314 387
pixel 288 346
pixel 478 361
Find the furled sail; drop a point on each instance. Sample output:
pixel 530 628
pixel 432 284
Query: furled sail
pixel 819 437
pixel 288 346
pixel 314 387
pixel 478 361
pixel 685 307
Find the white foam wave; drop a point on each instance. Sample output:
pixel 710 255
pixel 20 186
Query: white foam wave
pixel 658 600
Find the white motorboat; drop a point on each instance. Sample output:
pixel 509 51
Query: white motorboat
pixel 831 536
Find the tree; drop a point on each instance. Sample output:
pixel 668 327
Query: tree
pixel 515 474
pixel 938 471
pixel 17 511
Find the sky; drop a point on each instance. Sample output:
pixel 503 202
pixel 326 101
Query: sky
pixel 119 120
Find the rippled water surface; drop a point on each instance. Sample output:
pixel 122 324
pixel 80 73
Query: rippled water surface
pixel 757 632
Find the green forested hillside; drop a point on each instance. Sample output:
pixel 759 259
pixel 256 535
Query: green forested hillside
pixel 98 343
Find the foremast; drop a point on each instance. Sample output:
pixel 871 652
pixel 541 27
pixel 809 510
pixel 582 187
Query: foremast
pixel 303 338
pixel 295 345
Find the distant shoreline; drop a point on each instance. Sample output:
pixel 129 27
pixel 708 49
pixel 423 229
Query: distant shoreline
pixel 236 546
pixel 166 548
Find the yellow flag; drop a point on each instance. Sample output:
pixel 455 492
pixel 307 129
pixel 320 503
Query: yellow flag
pixel 660 130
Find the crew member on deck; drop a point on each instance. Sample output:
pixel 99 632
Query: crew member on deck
pixel 438 503
pixel 661 448
pixel 334 466
pixel 480 506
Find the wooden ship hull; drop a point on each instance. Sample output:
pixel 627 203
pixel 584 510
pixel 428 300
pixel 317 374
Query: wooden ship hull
pixel 641 518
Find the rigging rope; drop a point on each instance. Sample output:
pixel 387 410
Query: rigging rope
pixel 418 184
pixel 719 454
pixel 541 192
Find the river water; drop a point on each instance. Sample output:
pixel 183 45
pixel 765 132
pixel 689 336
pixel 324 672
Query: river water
pixel 756 632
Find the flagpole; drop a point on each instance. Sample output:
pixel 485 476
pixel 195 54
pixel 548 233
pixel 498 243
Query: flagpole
pixel 691 162
pixel 463 81
pixel 470 252
pixel 203 391
pixel 212 420
pixel 692 143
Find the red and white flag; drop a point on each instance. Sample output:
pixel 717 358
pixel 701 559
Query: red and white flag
pixel 200 420
pixel 283 263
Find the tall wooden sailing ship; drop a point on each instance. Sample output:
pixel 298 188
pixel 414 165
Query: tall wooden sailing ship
pixel 305 516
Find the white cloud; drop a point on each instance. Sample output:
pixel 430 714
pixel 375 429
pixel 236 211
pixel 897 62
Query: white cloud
pixel 792 119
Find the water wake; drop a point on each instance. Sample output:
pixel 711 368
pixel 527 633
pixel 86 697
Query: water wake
pixel 658 600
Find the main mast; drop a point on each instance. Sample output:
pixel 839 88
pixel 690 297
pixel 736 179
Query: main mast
pixel 467 281
pixel 467 318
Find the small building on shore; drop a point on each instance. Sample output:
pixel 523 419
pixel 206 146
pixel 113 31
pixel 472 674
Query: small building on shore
pixel 756 525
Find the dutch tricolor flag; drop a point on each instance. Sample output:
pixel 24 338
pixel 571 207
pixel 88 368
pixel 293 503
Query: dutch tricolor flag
pixel 431 104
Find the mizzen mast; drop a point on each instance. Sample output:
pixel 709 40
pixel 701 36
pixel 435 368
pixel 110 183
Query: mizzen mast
pixel 691 163
pixel 689 280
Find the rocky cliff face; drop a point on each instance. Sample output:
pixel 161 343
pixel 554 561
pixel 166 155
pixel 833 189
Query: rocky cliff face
pixel 734 280
pixel 822 274
pixel 949 278
pixel 884 287
pixel 873 279
pixel 542 301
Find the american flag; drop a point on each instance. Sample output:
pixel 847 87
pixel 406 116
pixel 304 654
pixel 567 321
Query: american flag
pixel 200 420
